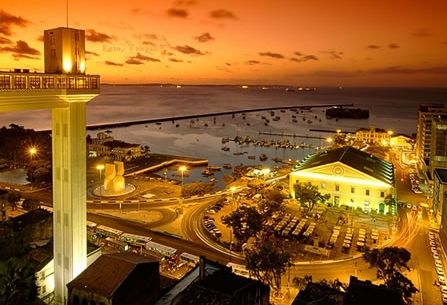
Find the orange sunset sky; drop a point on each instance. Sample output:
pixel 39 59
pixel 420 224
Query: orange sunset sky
pixel 303 43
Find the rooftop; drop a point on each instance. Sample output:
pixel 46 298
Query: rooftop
pixel 107 273
pixel 357 159
pixel 441 173
pixel 372 129
pixel 365 293
pixel 317 294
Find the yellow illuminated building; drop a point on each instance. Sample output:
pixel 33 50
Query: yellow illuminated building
pixel 351 177
pixel 65 90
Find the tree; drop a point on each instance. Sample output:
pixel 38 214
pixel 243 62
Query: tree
pixel 309 195
pixel 273 195
pixel 389 201
pixel 245 221
pixel 270 207
pixel 390 263
pixel 301 282
pixel 17 282
pixel 197 189
pixel 13 198
pixel 267 261
pixel 30 204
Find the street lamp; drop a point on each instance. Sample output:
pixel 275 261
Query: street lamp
pixel 329 140
pixel 390 132
pixel 182 169
pixel 32 151
pixel 338 130
pixel 100 168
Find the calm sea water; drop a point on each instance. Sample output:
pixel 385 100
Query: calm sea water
pixel 390 108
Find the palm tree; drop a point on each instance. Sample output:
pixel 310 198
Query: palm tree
pixel 17 282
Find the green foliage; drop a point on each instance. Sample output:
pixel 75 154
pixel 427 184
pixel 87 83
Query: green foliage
pixel 30 204
pixel 301 282
pixel 389 200
pixel 17 282
pixel 245 221
pixel 197 189
pixel 308 194
pixel 267 261
pixel 269 207
pixel 390 263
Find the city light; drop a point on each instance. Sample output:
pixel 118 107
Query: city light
pixel 32 151
pixel 390 132
pixel 100 167
pixel 329 140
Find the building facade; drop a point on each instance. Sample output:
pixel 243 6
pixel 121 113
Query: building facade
pixel 373 135
pixel 105 145
pixel 440 202
pixel 426 139
pixel 351 177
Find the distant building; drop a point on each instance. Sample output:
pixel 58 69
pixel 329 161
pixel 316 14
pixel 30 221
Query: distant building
pixel 429 137
pixel 358 293
pixel 214 284
pixel 373 135
pixel 117 279
pixel 402 141
pixel 351 177
pixel 105 145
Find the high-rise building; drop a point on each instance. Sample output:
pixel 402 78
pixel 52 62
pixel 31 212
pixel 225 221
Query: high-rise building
pixel 426 139
pixel 65 90
pixel 64 51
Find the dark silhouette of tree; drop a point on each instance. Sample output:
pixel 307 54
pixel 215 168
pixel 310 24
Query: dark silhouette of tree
pixel 390 263
pixel 245 221
pixel 308 194
pixel 267 260
pixel 17 282
pixel 30 204
pixel 197 189
pixel 13 198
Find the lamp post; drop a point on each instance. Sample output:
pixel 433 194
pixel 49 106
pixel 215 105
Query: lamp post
pixel 32 152
pixel 182 169
pixel 329 140
pixel 100 167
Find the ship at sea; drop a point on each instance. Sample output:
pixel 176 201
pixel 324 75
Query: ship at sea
pixel 347 113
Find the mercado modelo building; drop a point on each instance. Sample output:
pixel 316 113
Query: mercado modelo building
pixel 351 177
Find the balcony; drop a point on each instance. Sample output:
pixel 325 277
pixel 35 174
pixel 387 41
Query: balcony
pixel 42 82
pixel 21 90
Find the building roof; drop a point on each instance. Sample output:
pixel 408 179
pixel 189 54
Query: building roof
pixel 441 173
pixel 317 294
pixel 357 159
pixel 219 288
pixel 372 129
pixel 31 217
pixel 108 272
pixel 179 288
pixel 365 293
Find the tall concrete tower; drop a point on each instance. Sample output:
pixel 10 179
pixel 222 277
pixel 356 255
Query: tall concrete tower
pixel 65 89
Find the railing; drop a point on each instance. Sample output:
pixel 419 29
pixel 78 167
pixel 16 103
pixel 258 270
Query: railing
pixel 39 81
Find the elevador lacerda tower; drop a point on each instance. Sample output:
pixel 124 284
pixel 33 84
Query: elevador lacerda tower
pixel 64 88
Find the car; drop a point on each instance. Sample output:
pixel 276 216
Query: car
pixel 432 243
pixel 439 271
pixel 434 250
pixel 408 205
pixel 414 208
pixel 436 255
pixel 431 234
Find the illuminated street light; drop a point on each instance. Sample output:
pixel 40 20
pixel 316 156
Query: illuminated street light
pixel 338 130
pixel 182 169
pixel 100 168
pixel 390 132
pixel 329 140
pixel 32 151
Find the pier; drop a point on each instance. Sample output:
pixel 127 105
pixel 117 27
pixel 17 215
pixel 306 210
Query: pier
pixel 281 134
pixel 211 114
